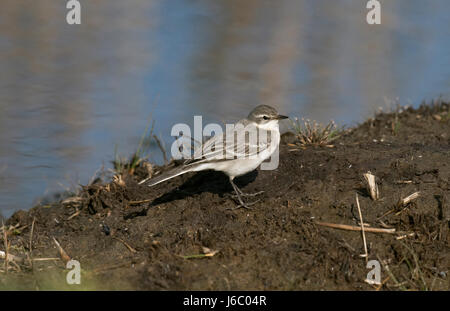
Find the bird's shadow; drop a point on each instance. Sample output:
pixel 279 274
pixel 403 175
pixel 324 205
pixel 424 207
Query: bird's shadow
pixel 206 181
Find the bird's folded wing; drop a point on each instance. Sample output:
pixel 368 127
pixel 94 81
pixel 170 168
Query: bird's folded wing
pixel 219 148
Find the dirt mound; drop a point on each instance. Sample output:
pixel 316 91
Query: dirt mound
pixel 184 235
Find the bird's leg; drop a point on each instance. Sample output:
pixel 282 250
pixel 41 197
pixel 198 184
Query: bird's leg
pixel 238 195
pixel 249 194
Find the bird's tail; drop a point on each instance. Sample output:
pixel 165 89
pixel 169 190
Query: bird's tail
pixel 166 176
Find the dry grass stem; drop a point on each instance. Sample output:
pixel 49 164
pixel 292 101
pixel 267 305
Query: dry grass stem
pixel 408 199
pixel 391 275
pixel 206 253
pixel 5 241
pixel 372 186
pixel 64 257
pixel 77 212
pixel 161 147
pixel 131 249
pixel 401 237
pixel 148 167
pixel 365 255
pixel 417 272
pixel 94 177
pixel 403 182
pixel 382 283
pixel 31 234
pixel 119 180
pixel 10 257
pixel 72 200
pixel 45 259
pixel 401 203
pixel 355 228
pixel 384 225
pixel 30 247
pixel 209 252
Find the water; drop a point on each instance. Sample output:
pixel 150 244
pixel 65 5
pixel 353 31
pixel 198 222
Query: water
pixel 70 94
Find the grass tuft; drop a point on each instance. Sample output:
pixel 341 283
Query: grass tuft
pixel 127 166
pixel 315 134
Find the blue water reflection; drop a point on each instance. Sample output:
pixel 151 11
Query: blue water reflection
pixel 69 94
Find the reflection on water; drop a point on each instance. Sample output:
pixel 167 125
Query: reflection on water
pixel 69 94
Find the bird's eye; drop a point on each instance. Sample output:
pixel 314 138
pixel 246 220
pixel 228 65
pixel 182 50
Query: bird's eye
pixel 265 117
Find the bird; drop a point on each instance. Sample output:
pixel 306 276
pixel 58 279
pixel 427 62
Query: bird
pixel 222 153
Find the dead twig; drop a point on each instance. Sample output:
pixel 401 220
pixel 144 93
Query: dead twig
pixel 382 283
pixel 404 202
pixel 387 213
pixel 45 259
pixel 30 255
pixel 131 249
pixel 355 228
pixel 64 257
pixel 31 234
pixel 10 257
pixel 77 212
pixel 401 203
pixel 5 241
pixel 348 246
pixel 384 225
pixel 206 253
pixel 401 237
pixel 73 200
pixel 366 255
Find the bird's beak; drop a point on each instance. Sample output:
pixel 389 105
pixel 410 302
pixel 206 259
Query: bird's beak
pixel 280 117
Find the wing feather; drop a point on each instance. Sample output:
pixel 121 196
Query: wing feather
pixel 217 148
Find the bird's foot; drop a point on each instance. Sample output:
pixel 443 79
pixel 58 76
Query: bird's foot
pixel 244 205
pixel 247 194
pixel 240 194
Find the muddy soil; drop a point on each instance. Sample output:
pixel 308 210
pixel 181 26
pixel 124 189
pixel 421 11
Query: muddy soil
pixel 184 234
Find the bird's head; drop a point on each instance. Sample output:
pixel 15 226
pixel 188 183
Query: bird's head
pixel 265 114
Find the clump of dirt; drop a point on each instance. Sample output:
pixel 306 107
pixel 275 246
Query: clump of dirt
pixel 184 234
